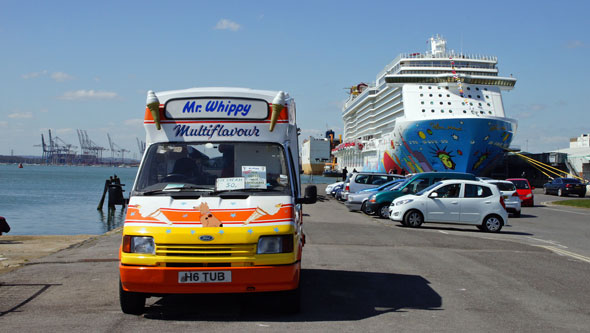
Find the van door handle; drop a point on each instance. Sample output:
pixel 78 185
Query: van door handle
pixel 455 202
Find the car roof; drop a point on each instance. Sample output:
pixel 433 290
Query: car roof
pixel 496 181
pixel 466 181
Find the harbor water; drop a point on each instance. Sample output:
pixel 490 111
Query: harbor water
pixel 59 200
pixel 62 200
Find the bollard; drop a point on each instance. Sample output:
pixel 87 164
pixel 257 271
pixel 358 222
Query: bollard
pixel 4 227
pixel 114 188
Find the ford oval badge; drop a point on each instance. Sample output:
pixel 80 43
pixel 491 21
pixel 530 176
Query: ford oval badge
pixel 206 238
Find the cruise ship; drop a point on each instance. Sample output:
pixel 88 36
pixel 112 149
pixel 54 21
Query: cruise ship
pixel 433 111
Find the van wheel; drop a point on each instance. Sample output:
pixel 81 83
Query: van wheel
pixel 492 223
pixel 384 211
pixel 413 219
pixel 131 303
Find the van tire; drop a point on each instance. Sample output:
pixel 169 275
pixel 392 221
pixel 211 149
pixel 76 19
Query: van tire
pixel 131 303
pixel 492 223
pixel 413 218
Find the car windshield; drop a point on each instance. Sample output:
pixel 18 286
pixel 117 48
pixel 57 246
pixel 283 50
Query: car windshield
pixel 428 188
pixel 521 184
pixel 505 186
pixel 399 185
pixel 213 167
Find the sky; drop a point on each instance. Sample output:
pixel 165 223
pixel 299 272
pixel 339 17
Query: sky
pixel 69 65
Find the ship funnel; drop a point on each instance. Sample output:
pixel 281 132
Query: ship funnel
pixel 438 45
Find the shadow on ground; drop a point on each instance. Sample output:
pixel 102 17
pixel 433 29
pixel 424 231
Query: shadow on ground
pixel 327 295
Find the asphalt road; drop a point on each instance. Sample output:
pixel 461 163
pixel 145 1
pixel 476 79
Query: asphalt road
pixel 360 274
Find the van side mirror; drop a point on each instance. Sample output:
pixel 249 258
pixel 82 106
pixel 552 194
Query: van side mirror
pixel 433 195
pixel 311 195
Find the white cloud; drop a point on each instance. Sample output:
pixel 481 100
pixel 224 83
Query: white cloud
pixel 33 75
pixel 20 115
pixel 56 76
pixel 225 24
pixel 87 95
pixel 64 130
pixel 3 123
pixel 574 44
pixel 134 122
pixel 61 76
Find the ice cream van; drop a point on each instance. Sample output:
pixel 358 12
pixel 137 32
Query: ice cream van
pixel 216 206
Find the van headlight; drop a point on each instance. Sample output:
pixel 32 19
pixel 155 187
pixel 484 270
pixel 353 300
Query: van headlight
pixel 275 244
pixel 139 244
pixel 403 202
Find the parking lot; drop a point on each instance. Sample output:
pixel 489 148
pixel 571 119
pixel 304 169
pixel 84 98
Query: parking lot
pixel 360 273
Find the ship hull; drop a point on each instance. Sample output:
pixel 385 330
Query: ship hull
pixel 463 144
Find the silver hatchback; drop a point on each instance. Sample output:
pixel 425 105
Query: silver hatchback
pixel 511 198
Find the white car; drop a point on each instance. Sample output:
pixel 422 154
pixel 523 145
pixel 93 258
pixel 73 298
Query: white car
pixel 330 187
pixel 511 198
pixel 453 201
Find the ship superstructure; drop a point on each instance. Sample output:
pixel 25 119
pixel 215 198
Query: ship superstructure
pixel 438 110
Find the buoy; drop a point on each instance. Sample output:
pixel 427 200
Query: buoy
pixel 20 165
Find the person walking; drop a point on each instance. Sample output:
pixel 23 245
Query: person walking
pixel 344 173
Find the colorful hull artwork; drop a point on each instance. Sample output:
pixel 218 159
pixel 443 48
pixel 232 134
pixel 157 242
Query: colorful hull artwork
pixel 462 145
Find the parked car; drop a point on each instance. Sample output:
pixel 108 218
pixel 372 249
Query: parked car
pixel 330 187
pixel 357 201
pixel 379 202
pixel 455 201
pixel 565 186
pixel 510 195
pixel 358 181
pixel 525 191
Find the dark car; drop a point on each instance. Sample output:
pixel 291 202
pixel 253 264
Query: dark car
pixel 565 186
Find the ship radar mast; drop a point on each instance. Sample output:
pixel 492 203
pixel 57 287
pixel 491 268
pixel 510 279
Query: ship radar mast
pixel 438 45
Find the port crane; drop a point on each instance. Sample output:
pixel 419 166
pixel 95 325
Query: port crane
pixel 91 152
pixel 116 150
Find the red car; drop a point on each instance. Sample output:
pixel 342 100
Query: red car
pixel 524 190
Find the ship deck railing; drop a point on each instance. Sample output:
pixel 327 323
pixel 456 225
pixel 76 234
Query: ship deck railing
pixel 445 55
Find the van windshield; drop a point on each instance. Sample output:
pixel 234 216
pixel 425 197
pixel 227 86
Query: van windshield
pixel 214 167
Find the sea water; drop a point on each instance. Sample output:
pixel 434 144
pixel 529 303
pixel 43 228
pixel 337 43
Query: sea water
pixel 63 200
pixel 59 200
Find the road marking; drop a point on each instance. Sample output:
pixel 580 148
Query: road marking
pixel 548 241
pixel 566 253
pixel 443 232
pixel 566 211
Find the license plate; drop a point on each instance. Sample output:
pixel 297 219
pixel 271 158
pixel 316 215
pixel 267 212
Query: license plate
pixel 204 277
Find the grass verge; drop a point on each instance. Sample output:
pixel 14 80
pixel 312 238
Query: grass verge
pixel 582 203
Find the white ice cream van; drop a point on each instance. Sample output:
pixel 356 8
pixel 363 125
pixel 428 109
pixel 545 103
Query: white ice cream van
pixel 216 205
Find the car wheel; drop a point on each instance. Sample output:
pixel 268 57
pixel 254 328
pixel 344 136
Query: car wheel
pixel 517 214
pixel 582 195
pixel 366 209
pixel 413 219
pixel 384 211
pixel 492 223
pixel 131 303
pixel 560 193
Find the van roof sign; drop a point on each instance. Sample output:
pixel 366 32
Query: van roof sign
pixel 216 108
